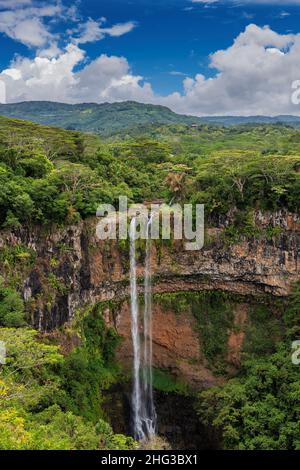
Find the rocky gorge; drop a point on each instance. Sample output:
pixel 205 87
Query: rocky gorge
pixel 62 270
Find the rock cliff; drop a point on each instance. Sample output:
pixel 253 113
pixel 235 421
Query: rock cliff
pixel 59 270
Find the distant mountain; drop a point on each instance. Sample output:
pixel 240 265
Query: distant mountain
pixel 100 118
pixel 236 120
pixel 117 117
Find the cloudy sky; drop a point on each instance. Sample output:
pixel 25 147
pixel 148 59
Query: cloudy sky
pixel 202 57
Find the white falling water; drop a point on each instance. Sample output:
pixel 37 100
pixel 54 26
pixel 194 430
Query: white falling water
pixel 148 409
pixel 136 392
pixel 144 415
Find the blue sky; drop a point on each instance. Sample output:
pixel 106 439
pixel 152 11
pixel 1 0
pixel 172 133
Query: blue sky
pixel 178 35
pixel 152 51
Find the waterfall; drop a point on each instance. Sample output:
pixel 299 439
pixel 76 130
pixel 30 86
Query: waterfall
pixel 136 392
pixel 148 410
pixel 144 415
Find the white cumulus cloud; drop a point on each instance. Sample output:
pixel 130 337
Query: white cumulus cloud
pixel 27 24
pixel 10 4
pixel 26 21
pixel 92 30
pixel 253 76
pixel 104 79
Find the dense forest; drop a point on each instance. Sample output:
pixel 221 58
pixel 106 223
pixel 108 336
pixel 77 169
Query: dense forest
pixel 50 175
pixel 54 177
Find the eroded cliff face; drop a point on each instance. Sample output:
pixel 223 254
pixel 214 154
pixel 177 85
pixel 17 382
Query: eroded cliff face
pixel 177 345
pixel 61 270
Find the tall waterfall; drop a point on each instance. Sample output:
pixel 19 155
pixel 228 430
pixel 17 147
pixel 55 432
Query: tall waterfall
pixel 148 410
pixel 136 391
pixel 144 415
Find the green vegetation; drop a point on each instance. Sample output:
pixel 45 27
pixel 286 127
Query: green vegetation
pixel 111 118
pixel 49 401
pixel 259 409
pixel 105 119
pixel 12 312
pixel 167 383
pixel 246 180
pixel 51 176
pixel 90 369
pixel 265 329
pixel 213 312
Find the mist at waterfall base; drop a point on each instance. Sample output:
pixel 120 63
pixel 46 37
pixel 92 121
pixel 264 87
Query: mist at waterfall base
pixel 143 410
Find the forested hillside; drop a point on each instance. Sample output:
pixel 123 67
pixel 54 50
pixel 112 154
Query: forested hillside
pixel 103 119
pixel 52 390
pixel 51 175
pixel 110 118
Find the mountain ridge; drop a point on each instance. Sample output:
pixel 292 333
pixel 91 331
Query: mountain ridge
pixel 110 118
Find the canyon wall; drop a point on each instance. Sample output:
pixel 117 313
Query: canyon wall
pixel 60 270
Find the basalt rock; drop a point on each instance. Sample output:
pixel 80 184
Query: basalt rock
pixel 69 268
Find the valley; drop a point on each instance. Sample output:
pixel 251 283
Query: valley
pixel 223 317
